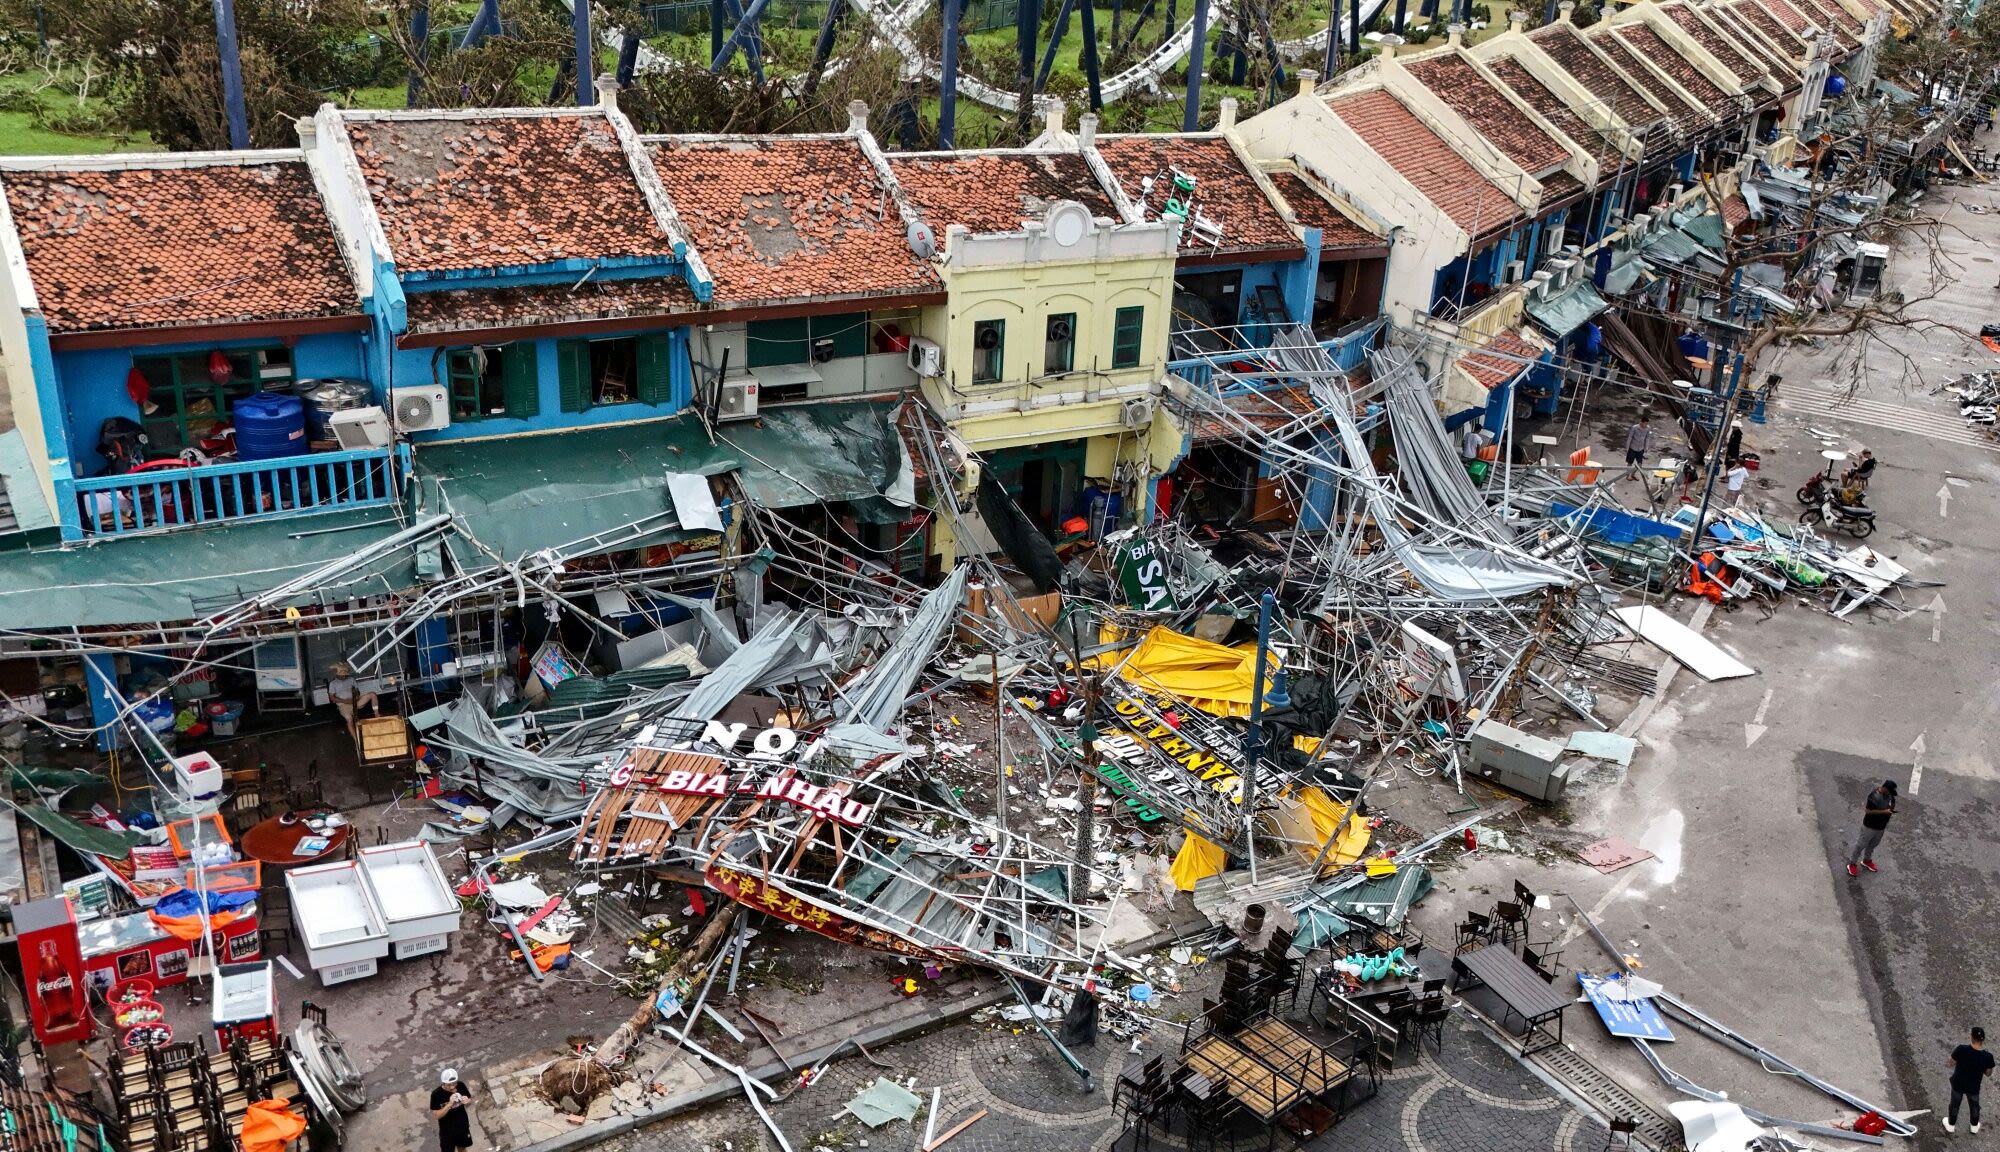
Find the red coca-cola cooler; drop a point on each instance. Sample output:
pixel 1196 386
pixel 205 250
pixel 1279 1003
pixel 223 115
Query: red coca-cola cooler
pixel 52 968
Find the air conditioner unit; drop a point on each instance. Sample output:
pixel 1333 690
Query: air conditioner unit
pixel 1137 412
pixel 1515 270
pixel 926 358
pixel 357 429
pixel 422 409
pixel 738 400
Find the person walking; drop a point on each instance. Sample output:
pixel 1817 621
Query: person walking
pixel 1638 438
pixel 1971 1064
pixel 448 1103
pixel 1875 813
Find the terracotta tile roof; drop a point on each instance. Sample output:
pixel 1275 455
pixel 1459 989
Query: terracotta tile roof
pixel 1336 231
pixel 1559 187
pixel 1689 118
pixel 1516 76
pixel 495 191
pixel 1420 156
pixel 1646 43
pixel 1566 47
pixel 473 309
pixel 1723 48
pixel 1456 82
pixel 1735 212
pixel 1269 411
pixel 789 218
pixel 1846 29
pixel 179 246
pixel 1785 14
pixel 1788 45
pixel 1499 360
pixel 996 191
pixel 1224 190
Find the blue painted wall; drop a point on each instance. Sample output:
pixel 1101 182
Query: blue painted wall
pixel 411 367
pixel 92 383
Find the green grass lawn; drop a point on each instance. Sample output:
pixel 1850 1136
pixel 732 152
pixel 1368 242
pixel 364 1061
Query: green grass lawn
pixel 21 136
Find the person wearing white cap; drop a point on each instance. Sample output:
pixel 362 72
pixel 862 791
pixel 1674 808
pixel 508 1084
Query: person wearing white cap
pixel 448 1101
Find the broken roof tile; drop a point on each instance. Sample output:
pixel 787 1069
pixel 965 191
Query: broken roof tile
pixel 1225 191
pixel 1646 44
pixel 789 218
pixel 1423 158
pixel 1454 80
pixel 996 191
pixel 1567 47
pixel 1336 232
pixel 1556 111
pixel 1499 360
pixel 180 245
pixel 1690 116
pixel 484 309
pixel 496 191
pixel 1724 48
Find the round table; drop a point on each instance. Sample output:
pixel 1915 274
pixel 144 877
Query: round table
pixel 275 842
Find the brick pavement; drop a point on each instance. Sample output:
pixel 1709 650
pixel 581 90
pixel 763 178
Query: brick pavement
pixel 1470 1097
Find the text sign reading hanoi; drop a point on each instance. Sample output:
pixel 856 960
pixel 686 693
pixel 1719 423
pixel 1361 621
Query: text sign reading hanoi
pixel 772 744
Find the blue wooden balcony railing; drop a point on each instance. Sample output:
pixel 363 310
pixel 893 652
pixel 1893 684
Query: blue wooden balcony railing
pixel 166 498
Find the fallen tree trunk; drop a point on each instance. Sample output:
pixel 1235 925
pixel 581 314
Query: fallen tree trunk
pixel 712 936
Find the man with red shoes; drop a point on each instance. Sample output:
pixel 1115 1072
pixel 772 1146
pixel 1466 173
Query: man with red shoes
pixel 1874 822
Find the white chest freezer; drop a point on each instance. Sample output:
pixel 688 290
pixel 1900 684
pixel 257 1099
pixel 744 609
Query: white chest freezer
pixel 420 907
pixel 338 920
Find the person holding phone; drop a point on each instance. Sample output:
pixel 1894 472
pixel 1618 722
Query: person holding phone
pixel 448 1101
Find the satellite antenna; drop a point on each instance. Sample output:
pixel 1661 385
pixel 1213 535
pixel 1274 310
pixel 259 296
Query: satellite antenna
pixel 921 239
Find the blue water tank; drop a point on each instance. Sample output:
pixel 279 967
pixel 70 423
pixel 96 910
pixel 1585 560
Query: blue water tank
pixel 1835 85
pixel 269 426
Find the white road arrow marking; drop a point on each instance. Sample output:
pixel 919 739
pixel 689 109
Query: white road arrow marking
pixel 1917 764
pixel 1944 500
pixel 1755 729
pixel 1936 609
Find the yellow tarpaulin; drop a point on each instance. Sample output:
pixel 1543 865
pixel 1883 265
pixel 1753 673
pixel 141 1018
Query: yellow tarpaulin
pixel 1326 816
pixel 1969 165
pixel 1212 677
pixel 1197 859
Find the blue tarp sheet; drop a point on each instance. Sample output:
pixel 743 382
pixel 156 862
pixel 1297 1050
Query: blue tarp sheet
pixel 1612 525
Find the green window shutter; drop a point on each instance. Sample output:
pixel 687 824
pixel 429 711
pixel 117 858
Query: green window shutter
pixel 654 387
pixel 519 380
pixel 573 371
pixel 848 332
pixel 1127 337
pixel 778 342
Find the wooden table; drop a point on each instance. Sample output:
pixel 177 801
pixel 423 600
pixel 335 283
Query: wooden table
pixel 1521 990
pixel 276 843
pixel 1293 1053
pixel 1263 1091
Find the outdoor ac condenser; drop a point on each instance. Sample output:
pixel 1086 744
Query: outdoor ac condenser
pixel 356 429
pixel 738 400
pixel 422 409
pixel 1515 760
pixel 926 358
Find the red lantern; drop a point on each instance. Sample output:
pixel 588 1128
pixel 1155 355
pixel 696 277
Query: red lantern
pixel 219 369
pixel 137 387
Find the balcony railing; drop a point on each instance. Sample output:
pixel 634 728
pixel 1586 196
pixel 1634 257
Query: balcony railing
pixel 165 498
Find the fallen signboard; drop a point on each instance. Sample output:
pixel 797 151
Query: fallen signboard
pixel 1633 1018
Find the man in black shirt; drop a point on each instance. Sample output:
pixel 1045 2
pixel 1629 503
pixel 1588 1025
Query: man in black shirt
pixel 448 1101
pixel 1971 1064
pixel 1874 821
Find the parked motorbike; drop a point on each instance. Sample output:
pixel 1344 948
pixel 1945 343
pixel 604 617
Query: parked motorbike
pixel 1857 520
pixel 1813 490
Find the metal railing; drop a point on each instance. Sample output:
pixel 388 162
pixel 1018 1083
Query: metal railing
pixel 162 499
pixel 1349 350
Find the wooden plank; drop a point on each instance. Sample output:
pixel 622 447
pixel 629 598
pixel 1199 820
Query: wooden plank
pixel 961 1126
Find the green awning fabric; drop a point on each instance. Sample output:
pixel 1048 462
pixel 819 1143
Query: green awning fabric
pixel 1705 230
pixel 1564 312
pixel 82 837
pixel 180 576
pixel 523 494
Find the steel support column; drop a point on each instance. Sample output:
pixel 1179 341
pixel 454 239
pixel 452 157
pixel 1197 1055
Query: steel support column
pixel 579 25
pixel 948 78
pixel 1091 66
pixel 232 73
pixel 1196 51
pixel 420 49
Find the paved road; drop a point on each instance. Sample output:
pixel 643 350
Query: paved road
pixel 1469 1096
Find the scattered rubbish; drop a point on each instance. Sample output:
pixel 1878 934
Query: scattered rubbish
pixel 962 1125
pixel 883 1101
